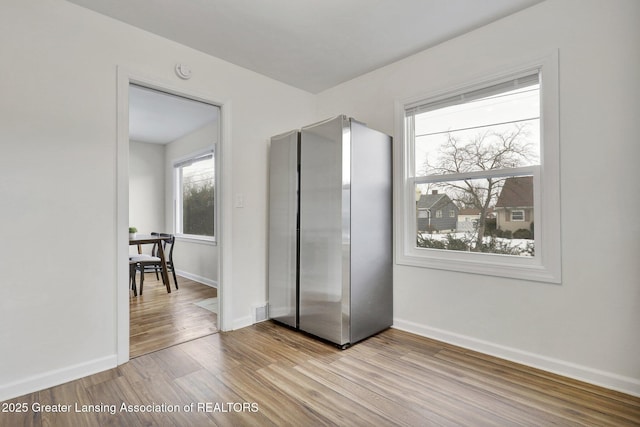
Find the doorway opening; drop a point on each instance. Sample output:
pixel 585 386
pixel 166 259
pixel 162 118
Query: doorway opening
pixel 173 177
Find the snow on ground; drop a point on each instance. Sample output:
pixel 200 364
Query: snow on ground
pixel 520 244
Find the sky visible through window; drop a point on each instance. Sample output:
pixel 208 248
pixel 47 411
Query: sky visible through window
pixel 490 115
pixel 199 172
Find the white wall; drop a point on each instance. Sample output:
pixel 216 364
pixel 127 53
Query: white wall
pixel 587 327
pixel 58 180
pixel 196 260
pixel 146 186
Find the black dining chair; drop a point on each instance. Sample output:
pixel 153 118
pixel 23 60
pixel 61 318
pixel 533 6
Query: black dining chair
pixel 168 245
pixel 146 263
pixel 133 265
pixel 151 265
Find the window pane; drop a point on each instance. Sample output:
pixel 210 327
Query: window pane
pixel 490 215
pixel 494 132
pixel 197 188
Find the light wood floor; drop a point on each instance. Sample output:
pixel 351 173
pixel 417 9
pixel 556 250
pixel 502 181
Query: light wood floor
pixel 289 379
pixel 159 320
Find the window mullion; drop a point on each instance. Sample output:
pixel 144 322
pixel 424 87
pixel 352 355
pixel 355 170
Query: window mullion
pixel 526 170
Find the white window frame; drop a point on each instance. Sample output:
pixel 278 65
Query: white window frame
pixel 177 197
pixel 545 266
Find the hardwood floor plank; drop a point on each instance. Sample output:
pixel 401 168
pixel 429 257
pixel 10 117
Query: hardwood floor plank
pixel 393 378
pixel 159 320
pixel 210 353
pixel 324 401
pixel 67 395
pixel 438 404
pixel 286 338
pixel 19 412
pixel 532 404
pixel 114 392
pixel 169 393
pixel 454 386
pixel 281 354
pixel 552 394
pixel 278 406
pixel 204 387
pixel 372 401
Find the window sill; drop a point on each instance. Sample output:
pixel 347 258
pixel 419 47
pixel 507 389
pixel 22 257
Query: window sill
pixel 210 241
pixel 523 268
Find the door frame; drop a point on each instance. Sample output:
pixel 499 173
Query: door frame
pixel 125 77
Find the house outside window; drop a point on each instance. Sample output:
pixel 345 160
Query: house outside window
pixel 471 145
pixel 515 208
pixel 195 196
pixel 435 203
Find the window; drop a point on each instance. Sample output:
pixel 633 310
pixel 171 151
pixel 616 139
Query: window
pixel 483 147
pixel 195 196
pixel 517 215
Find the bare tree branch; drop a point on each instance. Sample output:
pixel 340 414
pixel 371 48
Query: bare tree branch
pixel 487 150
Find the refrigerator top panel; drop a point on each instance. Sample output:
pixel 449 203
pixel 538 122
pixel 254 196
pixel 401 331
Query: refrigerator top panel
pixel 325 229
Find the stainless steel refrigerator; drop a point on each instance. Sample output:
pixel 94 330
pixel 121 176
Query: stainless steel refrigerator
pixel 284 230
pixel 343 273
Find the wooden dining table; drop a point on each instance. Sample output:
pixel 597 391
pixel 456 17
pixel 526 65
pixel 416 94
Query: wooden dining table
pixel 145 239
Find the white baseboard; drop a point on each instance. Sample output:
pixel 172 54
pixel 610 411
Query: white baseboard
pixel 197 278
pixel 242 322
pixel 56 377
pixel 582 373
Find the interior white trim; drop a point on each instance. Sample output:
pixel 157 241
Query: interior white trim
pixel 56 377
pixel 597 377
pixel 125 77
pixel 122 214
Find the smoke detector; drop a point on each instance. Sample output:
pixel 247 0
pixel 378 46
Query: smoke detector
pixel 183 71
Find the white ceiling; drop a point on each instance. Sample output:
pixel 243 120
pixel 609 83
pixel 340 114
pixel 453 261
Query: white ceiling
pixel 160 118
pixel 309 44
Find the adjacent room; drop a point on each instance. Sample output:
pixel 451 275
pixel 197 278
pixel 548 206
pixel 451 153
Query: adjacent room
pixel 137 141
pixel 172 180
